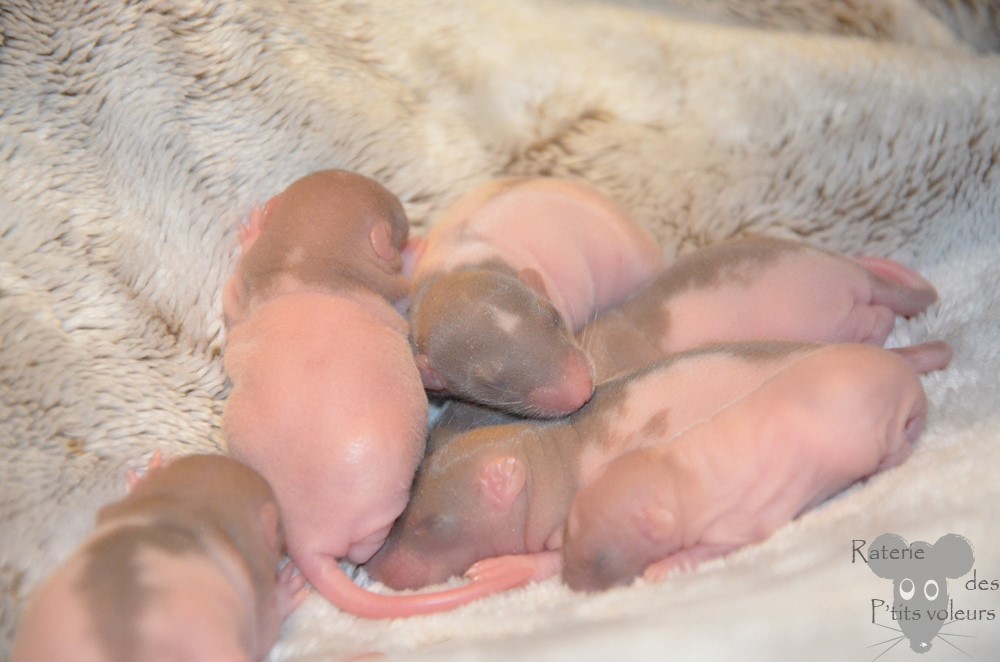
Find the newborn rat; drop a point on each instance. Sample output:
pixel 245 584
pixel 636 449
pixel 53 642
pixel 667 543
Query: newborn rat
pixel 184 567
pixel 505 492
pixel 756 288
pixel 751 467
pixel 327 403
pixel 504 279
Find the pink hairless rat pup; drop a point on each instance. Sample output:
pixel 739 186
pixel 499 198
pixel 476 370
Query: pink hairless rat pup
pixel 501 495
pixel 327 403
pixel 506 276
pixel 184 567
pixel 747 469
pixel 756 288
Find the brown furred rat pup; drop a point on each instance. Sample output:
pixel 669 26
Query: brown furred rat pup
pixel 184 567
pixel 506 276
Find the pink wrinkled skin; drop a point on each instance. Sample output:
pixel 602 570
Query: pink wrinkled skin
pixel 336 427
pixel 587 252
pixel 751 289
pixel 733 479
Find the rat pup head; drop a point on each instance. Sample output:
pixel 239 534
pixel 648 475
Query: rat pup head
pixel 620 523
pixel 488 337
pixel 366 225
pixel 467 504
pixel 332 231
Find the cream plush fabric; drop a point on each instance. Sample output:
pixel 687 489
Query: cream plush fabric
pixel 134 136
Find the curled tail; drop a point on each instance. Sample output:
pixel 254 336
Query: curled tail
pixel 330 581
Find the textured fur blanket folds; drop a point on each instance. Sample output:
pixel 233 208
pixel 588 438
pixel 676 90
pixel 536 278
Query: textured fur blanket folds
pixel 134 136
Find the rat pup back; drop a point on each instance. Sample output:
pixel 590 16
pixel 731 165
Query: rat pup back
pixel 758 288
pixel 327 403
pixel 184 567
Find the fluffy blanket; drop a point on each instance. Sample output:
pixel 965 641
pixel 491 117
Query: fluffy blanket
pixel 134 136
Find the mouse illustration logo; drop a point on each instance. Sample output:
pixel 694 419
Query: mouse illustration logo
pixel 919 574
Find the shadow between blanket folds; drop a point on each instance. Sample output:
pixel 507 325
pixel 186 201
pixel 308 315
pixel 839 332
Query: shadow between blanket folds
pixel 110 329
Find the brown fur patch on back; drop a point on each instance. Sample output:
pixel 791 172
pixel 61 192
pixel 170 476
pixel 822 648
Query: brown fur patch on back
pixel 596 420
pixel 617 343
pixel 111 587
pixel 658 424
pixel 738 262
pixel 632 335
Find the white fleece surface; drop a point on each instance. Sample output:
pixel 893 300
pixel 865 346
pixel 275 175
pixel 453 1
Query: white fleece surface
pixel 134 138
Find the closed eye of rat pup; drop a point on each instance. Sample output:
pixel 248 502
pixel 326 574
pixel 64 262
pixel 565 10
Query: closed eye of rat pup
pixel 327 403
pixel 506 276
pixel 184 567
pixel 501 495
pixel 757 288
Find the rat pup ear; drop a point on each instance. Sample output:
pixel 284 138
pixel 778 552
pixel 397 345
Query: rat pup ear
pixel 533 280
pixel 433 380
pixel 501 480
pixel 381 241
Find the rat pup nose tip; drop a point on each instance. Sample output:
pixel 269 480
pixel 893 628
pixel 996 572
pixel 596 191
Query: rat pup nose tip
pixel 574 389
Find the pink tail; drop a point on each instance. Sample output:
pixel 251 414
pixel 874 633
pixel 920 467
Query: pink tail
pixel 338 588
pixel 902 290
pixel 927 357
